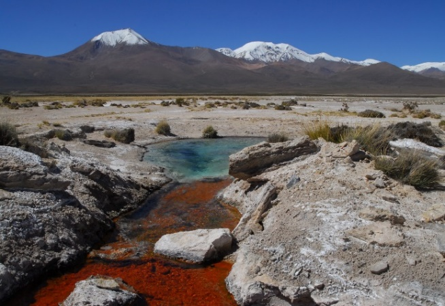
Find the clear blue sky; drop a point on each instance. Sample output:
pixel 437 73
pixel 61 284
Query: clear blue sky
pixel 402 32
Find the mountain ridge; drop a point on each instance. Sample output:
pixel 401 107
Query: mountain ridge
pixel 125 62
pixel 269 52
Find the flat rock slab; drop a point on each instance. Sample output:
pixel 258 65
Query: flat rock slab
pixel 101 290
pixel 254 159
pixel 198 246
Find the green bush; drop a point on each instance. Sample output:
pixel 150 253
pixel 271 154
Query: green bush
pixel 277 137
pixel 8 135
pixel 369 113
pixel 411 168
pixel 209 132
pixel 442 124
pixel 163 128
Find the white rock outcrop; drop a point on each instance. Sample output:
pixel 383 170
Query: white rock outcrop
pixel 198 246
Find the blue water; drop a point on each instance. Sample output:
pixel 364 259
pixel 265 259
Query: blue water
pixel 197 159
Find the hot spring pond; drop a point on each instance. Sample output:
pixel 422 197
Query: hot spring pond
pixel 186 204
pixel 197 159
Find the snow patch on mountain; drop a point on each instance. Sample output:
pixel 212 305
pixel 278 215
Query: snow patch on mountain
pixel 124 36
pixel 425 66
pixel 269 52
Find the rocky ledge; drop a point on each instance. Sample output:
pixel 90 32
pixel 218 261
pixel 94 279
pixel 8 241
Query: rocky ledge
pixel 54 209
pixel 321 229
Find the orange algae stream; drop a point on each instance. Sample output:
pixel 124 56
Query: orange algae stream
pixel 129 255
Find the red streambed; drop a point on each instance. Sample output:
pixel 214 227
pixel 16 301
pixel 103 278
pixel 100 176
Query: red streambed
pixel 160 281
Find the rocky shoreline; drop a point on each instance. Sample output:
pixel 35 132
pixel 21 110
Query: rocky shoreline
pixel 55 209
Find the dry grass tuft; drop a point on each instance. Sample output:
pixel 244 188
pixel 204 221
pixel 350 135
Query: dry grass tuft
pixel 410 167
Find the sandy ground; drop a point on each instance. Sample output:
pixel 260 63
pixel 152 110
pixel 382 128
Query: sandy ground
pixel 189 121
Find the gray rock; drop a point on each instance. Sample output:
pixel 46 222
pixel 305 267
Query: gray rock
pixel 101 290
pixel 99 143
pixel 257 158
pixel 379 267
pixel 379 183
pixel 198 246
pixel 50 227
pixel 292 181
pixel 24 170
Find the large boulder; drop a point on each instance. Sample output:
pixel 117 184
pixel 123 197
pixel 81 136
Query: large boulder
pixel 254 159
pixel 102 290
pixel 198 246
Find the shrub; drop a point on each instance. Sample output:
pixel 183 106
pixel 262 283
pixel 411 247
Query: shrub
pixel 442 124
pixel 344 107
pixel 282 107
pixel 369 113
pixel 411 168
pixel 420 131
pixel 373 139
pixel 320 129
pixel 291 102
pixel 8 135
pixel 410 106
pixel 63 134
pixel 425 114
pixel 6 100
pixel 209 132
pixel 165 103
pixel 124 136
pixel 163 128
pixel 277 137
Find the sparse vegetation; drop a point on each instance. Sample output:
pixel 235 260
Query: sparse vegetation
pixel 282 107
pixel 277 137
pixel 369 113
pixel 63 134
pixel 163 128
pixel 410 167
pixel 124 135
pixel 319 129
pixel 53 106
pixel 373 139
pixel 209 132
pixel 425 114
pixel 410 106
pixel 344 107
pixel 8 135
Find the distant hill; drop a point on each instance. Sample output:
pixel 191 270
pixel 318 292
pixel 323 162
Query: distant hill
pixel 125 62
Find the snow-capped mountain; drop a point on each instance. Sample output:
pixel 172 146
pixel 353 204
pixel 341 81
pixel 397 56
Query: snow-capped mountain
pixel 425 66
pixel 124 36
pixel 269 52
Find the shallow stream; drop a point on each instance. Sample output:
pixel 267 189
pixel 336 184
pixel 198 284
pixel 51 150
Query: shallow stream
pixel 201 166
